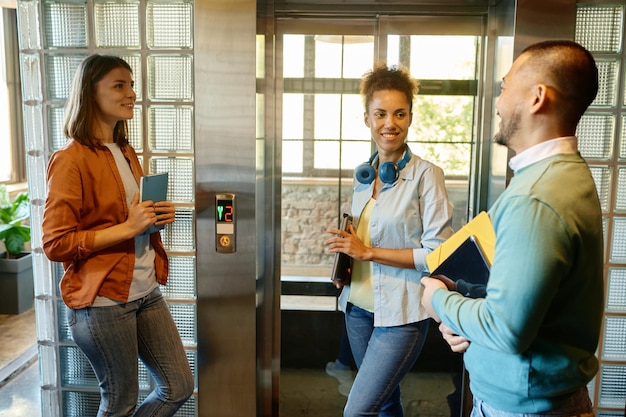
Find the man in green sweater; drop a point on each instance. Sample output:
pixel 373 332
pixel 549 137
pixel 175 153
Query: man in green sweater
pixel 530 343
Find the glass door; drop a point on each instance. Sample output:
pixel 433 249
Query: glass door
pixel 323 137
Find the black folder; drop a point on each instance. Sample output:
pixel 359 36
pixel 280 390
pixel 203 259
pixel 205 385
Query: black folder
pixel 342 264
pixel 468 267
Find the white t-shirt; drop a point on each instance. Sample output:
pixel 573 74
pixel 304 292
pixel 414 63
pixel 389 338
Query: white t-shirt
pixel 144 276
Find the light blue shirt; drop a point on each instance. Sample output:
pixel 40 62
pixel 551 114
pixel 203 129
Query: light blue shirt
pixel 414 212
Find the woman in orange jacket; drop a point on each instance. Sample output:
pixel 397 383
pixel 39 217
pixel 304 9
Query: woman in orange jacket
pixel 94 224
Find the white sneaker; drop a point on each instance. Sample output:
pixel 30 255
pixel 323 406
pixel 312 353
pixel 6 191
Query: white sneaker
pixel 339 371
pixel 345 387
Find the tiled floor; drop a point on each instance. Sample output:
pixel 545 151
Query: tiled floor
pixel 20 396
pixel 18 339
pixel 312 393
pixel 19 373
pixel 308 392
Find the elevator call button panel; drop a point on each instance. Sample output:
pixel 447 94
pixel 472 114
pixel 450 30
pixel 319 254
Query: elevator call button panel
pixel 225 223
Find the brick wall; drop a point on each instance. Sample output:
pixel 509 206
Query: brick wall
pixel 310 206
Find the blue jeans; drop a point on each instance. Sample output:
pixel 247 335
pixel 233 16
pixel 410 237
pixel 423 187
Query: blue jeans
pixel 345 353
pixel 114 337
pixel 383 356
pixel 577 405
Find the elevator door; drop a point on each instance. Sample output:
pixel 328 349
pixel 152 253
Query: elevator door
pixel 323 138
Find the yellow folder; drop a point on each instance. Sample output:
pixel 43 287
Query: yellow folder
pixel 480 227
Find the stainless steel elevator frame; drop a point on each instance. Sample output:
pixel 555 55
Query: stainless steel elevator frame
pixel 238 294
pixel 225 157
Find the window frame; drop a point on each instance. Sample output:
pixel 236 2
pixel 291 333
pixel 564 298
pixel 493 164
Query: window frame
pixel 10 49
pixel 379 27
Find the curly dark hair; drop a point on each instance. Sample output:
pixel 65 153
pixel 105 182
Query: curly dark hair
pixel 382 77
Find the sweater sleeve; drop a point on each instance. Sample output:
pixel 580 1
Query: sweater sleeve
pixel 532 255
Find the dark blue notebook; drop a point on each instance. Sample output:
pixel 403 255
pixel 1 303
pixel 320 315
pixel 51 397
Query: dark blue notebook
pixel 342 264
pixel 468 267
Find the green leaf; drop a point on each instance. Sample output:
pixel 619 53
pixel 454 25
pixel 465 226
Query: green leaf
pixel 14 243
pixel 4 230
pixel 4 195
pixel 13 215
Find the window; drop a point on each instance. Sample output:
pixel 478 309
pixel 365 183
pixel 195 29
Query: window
pixel 11 142
pixel 6 164
pixel 443 111
pixel 323 135
pixel 323 130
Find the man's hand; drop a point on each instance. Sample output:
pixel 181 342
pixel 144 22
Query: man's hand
pixel 457 343
pixel 449 283
pixel 430 285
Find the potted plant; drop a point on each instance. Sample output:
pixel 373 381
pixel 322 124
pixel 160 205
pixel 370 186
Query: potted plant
pixel 13 230
pixel 16 270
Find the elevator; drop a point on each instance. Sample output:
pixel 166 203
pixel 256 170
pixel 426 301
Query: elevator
pixel 257 124
pixel 224 108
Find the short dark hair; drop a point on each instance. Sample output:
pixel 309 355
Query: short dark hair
pixel 382 77
pixel 571 68
pixel 80 108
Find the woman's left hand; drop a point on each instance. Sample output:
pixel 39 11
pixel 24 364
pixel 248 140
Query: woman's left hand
pixel 165 212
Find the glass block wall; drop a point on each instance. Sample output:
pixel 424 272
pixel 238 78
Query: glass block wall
pixel 602 141
pixel 156 38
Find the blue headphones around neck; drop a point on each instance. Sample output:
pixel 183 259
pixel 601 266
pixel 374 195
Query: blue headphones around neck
pixel 387 171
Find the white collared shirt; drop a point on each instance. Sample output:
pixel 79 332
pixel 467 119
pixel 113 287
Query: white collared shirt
pixel 562 145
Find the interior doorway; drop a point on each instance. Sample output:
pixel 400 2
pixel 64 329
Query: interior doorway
pixel 322 137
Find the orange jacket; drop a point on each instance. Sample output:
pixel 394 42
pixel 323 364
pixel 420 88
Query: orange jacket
pixel 86 193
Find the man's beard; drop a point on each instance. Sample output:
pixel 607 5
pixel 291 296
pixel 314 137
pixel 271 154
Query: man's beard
pixel 503 137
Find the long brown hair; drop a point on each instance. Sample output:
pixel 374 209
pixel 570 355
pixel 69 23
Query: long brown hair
pixel 81 108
